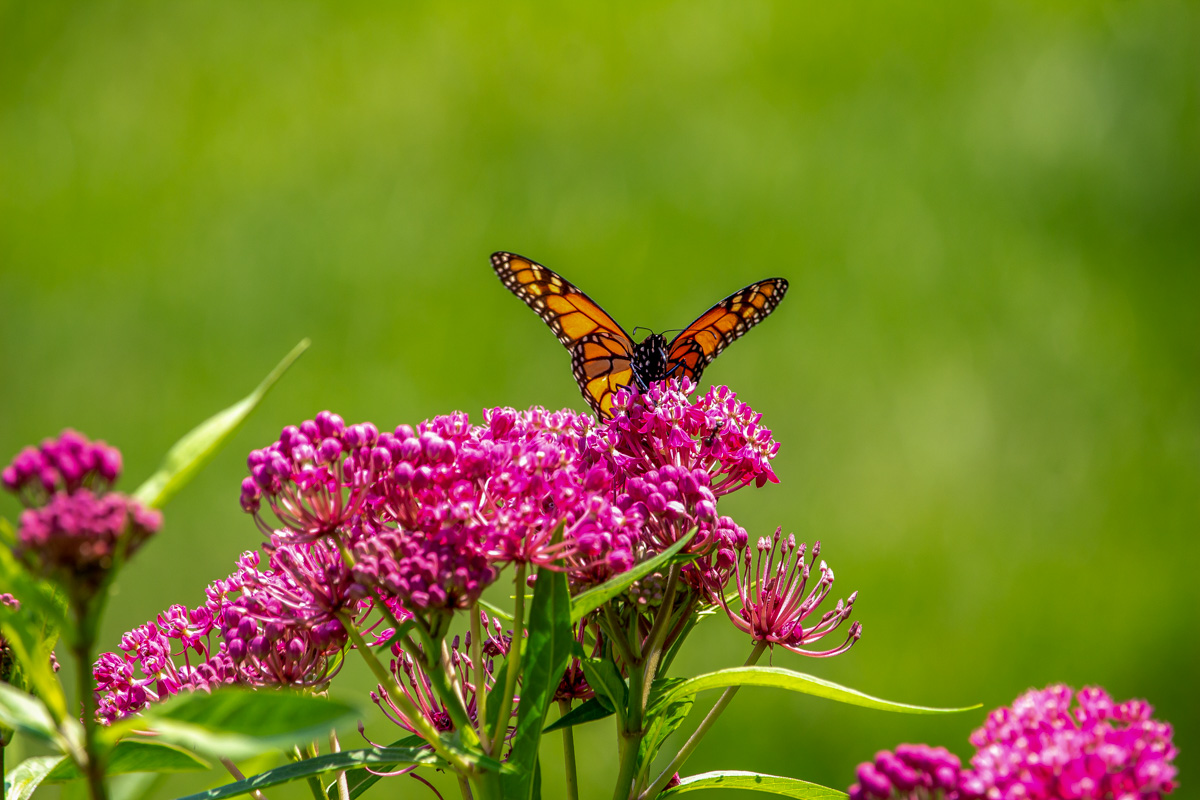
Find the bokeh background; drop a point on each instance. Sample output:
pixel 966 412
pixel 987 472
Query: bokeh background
pixel 985 375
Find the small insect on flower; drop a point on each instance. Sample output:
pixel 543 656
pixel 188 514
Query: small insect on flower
pixel 604 357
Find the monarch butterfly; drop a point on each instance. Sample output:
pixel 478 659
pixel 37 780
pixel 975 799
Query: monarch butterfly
pixel 604 357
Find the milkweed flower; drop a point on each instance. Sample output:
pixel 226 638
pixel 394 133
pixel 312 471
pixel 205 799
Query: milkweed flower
pixel 66 464
pixel 1043 747
pixel 774 606
pixel 1092 748
pixel 716 433
pixel 315 477
pixel 913 772
pixel 418 688
pixel 437 572
pixel 240 636
pixel 76 539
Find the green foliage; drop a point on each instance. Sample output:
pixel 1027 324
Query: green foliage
pixel 752 781
pixel 779 678
pixel 547 651
pixel 21 782
pixel 235 723
pixel 665 712
pixel 320 765
pixel 135 755
pixel 33 630
pixel 587 602
pixel 200 444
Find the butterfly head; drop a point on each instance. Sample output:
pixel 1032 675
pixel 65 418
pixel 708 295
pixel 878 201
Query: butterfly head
pixel 650 360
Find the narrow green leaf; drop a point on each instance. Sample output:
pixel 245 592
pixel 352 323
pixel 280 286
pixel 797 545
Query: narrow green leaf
pixel 25 713
pixel 589 601
pixel 330 762
pixel 202 442
pixel 605 679
pixel 21 783
pixel 664 714
pixel 236 723
pixel 779 678
pixel 588 711
pixel 358 780
pixel 495 610
pixel 137 755
pixel 753 781
pixel 547 650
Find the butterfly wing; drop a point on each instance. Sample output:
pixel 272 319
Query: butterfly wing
pixel 600 348
pixel 702 341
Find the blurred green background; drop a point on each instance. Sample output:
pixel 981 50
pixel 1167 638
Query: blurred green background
pixel 986 376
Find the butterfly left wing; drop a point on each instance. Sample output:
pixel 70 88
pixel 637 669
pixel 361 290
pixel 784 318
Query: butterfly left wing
pixel 600 348
pixel 702 341
pixel 601 365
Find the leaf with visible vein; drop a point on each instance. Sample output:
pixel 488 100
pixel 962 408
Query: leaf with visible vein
pixel 753 781
pixel 330 762
pixel 779 678
pixel 587 602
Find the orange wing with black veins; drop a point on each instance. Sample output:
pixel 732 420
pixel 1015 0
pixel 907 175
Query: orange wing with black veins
pixel 600 348
pixel 702 341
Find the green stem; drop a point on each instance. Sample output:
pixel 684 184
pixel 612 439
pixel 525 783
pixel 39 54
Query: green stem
pixel 514 662
pixel 464 787
pixel 387 680
pixel 698 734
pixel 480 684
pixel 631 734
pixel 233 770
pixel 314 783
pixel 343 785
pixel 93 770
pixel 572 778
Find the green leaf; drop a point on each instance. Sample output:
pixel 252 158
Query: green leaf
pixel 25 713
pixel 330 762
pixel 358 780
pixel 753 781
pixel 588 711
pixel 32 631
pixel 202 442
pixel 664 714
pixel 495 610
pixel 589 601
pixel 22 781
pixel 605 679
pixel 236 723
pixel 780 678
pixel 547 651
pixel 136 755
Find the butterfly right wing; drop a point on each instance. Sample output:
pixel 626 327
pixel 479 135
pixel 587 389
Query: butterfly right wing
pixel 600 348
pixel 714 330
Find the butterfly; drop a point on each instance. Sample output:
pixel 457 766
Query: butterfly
pixel 604 357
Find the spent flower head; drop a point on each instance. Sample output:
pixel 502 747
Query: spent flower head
pixel 776 600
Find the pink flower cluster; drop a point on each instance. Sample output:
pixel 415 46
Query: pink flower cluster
pixel 73 529
pixel 421 519
pixel 1043 747
pixel 258 627
pixel 65 464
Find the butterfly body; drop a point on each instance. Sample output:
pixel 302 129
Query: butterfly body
pixel 650 360
pixel 603 357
